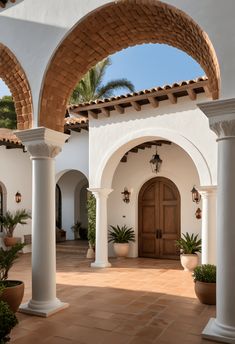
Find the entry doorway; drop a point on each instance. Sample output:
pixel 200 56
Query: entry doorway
pixel 159 219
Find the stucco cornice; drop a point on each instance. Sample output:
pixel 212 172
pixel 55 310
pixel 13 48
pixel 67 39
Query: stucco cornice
pixel 221 115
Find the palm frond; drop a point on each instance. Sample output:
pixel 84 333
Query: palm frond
pixel 107 90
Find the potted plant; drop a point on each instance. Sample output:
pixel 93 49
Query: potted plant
pixel 205 283
pixel 121 237
pixel 79 231
pixel 10 220
pixel 7 321
pixel 189 245
pixel 13 290
pixel 91 210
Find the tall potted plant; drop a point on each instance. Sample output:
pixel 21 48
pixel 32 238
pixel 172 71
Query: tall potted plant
pixel 189 245
pixel 13 291
pixel 91 210
pixel 121 238
pixel 205 283
pixel 10 220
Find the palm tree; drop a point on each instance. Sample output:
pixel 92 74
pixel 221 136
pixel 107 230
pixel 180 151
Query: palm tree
pixel 91 88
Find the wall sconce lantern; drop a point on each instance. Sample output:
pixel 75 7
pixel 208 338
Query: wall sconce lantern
pixel 126 195
pixel 198 213
pixel 18 197
pixel 155 162
pixel 196 197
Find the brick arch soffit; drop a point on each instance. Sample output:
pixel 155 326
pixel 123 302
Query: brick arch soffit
pixel 114 27
pixel 12 73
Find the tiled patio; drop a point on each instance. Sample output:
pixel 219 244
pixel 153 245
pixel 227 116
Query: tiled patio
pixel 137 301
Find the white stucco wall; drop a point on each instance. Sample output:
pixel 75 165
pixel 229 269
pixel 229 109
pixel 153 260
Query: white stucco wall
pixel 182 123
pixel 177 166
pixel 15 174
pixel 33 30
pixel 74 155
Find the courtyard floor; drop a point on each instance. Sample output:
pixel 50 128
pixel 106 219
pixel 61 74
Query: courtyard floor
pixel 136 301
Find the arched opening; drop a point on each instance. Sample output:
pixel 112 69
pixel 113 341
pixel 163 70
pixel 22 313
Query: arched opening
pixel 169 193
pixel 15 78
pixel 121 24
pixel 71 198
pixel 159 214
pixel 58 204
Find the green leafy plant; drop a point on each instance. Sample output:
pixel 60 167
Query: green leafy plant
pixel 7 258
pixel 7 113
pixel 121 234
pixel 8 320
pixel 10 220
pixel 91 210
pixel 189 244
pixel 205 273
pixel 91 86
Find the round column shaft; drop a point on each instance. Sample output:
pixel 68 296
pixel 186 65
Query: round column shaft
pixel 208 234
pixel 43 145
pixel 221 116
pixel 101 245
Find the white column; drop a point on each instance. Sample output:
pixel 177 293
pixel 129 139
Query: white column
pixel 43 145
pixel 101 241
pixel 221 116
pixel 208 233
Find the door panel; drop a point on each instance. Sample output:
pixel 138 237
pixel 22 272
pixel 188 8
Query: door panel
pixel 159 219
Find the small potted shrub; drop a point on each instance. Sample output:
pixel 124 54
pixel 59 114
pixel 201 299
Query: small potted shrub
pixel 8 320
pixel 189 245
pixel 13 291
pixel 205 283
pixel 79 231
pixel 121 237
pixel 9 221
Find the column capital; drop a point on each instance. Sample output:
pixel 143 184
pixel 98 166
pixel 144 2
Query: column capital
pixel 42 142
pixel 207 191
pixel 221 115
pixel 100 192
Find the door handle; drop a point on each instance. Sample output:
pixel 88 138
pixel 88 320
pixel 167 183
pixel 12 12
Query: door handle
pixel 158 233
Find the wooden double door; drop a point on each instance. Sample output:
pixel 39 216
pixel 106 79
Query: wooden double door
pixel 159 219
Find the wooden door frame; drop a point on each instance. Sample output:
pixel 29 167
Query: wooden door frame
pixel 141 192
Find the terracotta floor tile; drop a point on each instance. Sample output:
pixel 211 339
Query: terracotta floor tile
pixel 137 301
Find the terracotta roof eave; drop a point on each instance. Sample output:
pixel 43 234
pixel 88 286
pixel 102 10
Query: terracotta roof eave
pixel 184 86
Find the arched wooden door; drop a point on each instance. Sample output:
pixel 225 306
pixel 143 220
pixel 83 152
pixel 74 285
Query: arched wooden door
pixel 159 219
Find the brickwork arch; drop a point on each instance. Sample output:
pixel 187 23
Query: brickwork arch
pixel 14 77
pixel 112 28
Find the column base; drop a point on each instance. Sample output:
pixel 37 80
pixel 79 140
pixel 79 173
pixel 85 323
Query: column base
pixel 42 309
pixel 218 332
pixel 101 265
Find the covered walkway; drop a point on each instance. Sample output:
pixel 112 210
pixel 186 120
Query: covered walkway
pixel 137 301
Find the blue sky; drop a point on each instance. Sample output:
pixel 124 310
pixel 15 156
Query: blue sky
pixel 148 66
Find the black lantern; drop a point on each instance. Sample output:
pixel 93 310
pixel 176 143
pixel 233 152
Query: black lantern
pixel 155 162
pixel 18 197
pixel 126 195
pixel 196 197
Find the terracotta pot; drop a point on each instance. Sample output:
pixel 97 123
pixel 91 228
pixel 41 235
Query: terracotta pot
pixel 206 292
pixel 10 241
pixel 90 253
pixel 121 250
pixel 13 294
pixel 189 261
